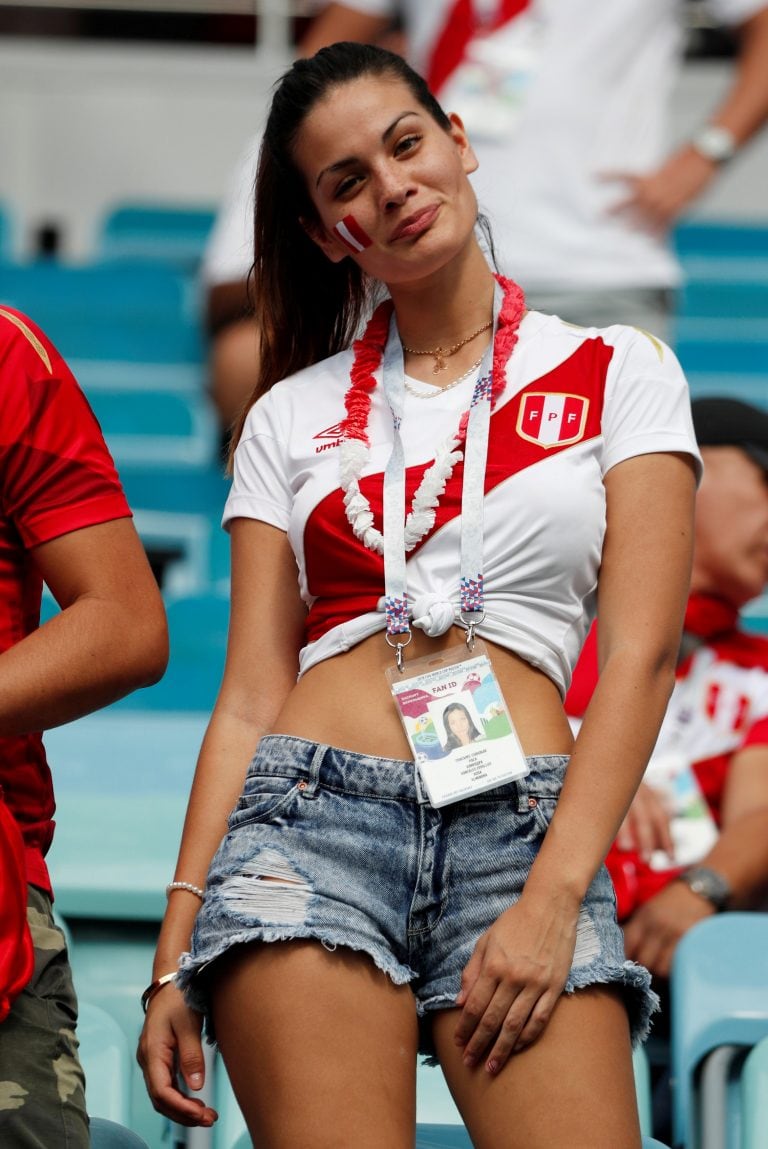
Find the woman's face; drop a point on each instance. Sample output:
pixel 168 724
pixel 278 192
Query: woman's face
pixel 458 724
pixel 377 163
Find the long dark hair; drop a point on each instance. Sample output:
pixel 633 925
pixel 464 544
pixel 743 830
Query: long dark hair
pixel 451 740
pixel 307 307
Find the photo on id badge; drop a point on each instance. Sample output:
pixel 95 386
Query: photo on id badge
pixel 459 728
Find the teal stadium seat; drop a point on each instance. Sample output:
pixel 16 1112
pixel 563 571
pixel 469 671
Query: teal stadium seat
pixel 106 1059
pixel 109 1135
pixel 715 239
pixel 132 311
pixel 754 1098
pixel 156 427
pixel 172 233
pixel 719 998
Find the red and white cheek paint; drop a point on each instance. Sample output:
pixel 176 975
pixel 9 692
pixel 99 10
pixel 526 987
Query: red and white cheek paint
pixel 352 235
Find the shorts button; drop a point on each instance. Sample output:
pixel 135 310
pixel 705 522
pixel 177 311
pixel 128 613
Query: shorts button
pixel 302 785
pixel 532 802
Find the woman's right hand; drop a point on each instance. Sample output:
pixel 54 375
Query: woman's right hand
pixel 169 1045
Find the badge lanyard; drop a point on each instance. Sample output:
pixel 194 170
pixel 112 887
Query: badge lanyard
pixel 472 495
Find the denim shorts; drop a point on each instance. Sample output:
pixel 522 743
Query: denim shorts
pixel 355 856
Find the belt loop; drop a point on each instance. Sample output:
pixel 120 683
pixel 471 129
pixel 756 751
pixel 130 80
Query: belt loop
pixel 309 790
pixel 421 797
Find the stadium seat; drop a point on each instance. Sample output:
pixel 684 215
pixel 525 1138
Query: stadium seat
pixel 719 998
pixel 720 239
pixel 110 1135
pixel 156 427
pixel 107 1060
pixel 197 625
pixel 137 311
pixel 172 233
pixel 722 353
pixel 754 1098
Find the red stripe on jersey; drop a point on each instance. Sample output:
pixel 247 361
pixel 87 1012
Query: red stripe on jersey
pixel 347 580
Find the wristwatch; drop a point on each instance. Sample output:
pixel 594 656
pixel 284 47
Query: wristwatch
pixel 715 143
pixel 707 884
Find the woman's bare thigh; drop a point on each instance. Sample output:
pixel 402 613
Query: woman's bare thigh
pixel 574 1087
pixel 320 1046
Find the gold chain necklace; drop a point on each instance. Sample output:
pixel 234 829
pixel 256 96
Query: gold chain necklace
pixel 440 390
pixel 443 353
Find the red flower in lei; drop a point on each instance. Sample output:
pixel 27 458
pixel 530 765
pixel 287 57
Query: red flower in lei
pixel 369 351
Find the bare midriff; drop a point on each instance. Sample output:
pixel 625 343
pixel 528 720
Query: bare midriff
pixel 345 701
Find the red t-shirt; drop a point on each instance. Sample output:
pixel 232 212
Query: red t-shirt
pixel 56 476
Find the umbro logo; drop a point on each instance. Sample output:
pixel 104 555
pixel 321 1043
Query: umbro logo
pixel 333 435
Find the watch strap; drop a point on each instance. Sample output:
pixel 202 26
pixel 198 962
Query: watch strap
pixel 708 884
pixel 715 143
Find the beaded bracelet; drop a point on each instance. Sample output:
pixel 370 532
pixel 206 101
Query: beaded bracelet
pixel 152 989
pixel 185 886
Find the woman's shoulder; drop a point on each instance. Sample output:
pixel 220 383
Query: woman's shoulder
pixel 301 396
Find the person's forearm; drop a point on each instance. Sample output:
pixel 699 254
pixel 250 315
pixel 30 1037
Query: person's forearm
pixel 609 758
pixel 89 655
pixel 227 749
pixel 741 856
pixel 745 107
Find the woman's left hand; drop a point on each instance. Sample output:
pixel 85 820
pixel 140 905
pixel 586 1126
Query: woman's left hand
pixel 512 982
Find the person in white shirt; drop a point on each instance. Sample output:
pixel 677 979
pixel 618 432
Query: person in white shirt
pixel 427 510
pixel 566 104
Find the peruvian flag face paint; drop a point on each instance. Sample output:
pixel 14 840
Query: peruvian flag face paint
pixel 352 234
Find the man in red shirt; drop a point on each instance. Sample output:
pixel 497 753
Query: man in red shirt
pixel 696 839
pixel 63 521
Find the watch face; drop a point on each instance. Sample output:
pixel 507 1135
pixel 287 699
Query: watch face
pixel 715 143
pixel 708 884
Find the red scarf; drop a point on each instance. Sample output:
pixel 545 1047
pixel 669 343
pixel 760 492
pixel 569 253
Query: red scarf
pixel 459 29
pixel 708 616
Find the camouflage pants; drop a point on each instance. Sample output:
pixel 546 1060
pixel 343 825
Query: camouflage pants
pixel 42 1098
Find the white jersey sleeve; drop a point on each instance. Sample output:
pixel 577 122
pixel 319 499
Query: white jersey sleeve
pixel 228 255
pixel 735 11
pixel 260 485
pixel 647 403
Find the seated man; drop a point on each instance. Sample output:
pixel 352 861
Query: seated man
pixel 63 520
pixel 696 839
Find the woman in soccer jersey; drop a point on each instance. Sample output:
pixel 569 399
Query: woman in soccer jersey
pixel 346 923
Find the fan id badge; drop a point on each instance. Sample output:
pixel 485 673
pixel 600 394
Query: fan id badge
pixel 457 724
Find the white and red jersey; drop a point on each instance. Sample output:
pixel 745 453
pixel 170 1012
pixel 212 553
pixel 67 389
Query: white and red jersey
pixel 556 95
pixel 577 401
pixel 719 706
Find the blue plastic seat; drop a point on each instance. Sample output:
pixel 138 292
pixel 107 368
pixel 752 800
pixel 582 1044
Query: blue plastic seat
pixel 721 239
pixel 197 626
pixel 98 290
pixel 754 1098
pixel 719 999
pixel 742 356
pixel 110 1135
pixel 107 1061
pixel 133 311
pixel 723 298
pixel 174 233
pixel 156 427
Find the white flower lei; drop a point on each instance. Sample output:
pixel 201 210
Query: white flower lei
pixel 353 457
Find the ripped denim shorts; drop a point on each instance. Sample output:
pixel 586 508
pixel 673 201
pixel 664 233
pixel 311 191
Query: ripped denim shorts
pixel 345 848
